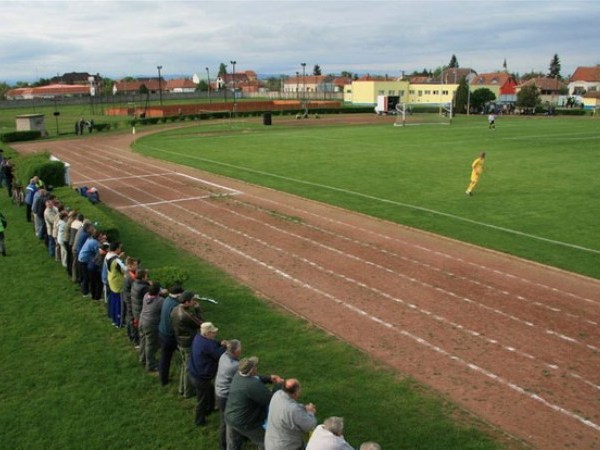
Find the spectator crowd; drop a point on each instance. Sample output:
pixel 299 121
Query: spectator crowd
pixel 162 322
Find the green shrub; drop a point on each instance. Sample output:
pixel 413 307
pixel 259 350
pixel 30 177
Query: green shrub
pixel 169 275
pixel 51 172
pixel 102 126
pixel 14 136
pixel 570 111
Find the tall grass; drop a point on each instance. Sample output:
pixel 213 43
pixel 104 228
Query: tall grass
pixel 536 199
pixel 69 379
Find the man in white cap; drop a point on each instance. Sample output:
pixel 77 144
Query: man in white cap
pixel 203 364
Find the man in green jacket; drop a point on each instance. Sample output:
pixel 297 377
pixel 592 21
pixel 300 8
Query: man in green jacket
pixel 247 405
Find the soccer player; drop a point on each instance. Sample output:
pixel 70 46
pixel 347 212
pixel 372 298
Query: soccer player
pixel 477 170
pixel 492 121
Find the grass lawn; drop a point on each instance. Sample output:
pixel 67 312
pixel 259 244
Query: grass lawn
pixel 536 199
pixel 69 379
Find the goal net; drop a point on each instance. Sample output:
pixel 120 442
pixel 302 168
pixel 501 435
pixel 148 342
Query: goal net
pixel 420 114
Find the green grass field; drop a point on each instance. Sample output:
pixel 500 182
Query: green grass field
pixel 537 198
pixel 70 380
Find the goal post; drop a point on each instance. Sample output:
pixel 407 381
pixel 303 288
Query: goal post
pixel 423 114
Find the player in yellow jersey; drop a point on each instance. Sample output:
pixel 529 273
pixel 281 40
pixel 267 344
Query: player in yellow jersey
pixel 477 167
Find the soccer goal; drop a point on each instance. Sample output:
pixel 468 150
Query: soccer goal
pixel 420 114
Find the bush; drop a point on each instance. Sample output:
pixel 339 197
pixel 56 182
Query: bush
pixel 51 172
pixel 102 126
pixel 14 136
pixel 570 111
pixel 169 275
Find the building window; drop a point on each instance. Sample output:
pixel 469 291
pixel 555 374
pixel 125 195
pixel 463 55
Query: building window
pixel 427 92
pixel 391 92
pixel 444 92
pixel 420 93
pixel 380 92
pixel 411 92
pixel 436 92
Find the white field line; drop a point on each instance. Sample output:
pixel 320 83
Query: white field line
pixel 404 302
pixel 429 250
pixel 426 265
pixel 163 202
pixel 386 201
pixel 130 177
pixel 375 319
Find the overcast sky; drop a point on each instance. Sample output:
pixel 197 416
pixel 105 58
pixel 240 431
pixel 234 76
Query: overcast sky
pixel 39 39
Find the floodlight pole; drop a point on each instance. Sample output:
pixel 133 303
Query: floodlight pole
pixel 297 84
pixel 233 64
pixel 159 85
pixel 303 80
pixel 208 78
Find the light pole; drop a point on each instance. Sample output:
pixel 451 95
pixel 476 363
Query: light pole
pixel 303 80
pixel 159 85
pixel 208 78
pixel 233 64
pixel 297 83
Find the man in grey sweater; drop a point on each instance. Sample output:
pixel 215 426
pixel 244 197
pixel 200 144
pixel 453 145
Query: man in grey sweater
pixel 289 420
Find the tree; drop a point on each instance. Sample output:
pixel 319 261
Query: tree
pixel 346 74
pixel 480 97
pixel 554 69
pixel 530 75
pixel 317 70
pixel 143 89
pixel 3 89
pixel 273 84
pixel 453 63
pixel 462 96
pixel 528 96
pixel 202 86
pixel 222 70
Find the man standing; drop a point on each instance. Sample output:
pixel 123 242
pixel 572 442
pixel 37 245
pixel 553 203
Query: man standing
pixel 149 320
pixel 247 405
pixel 228 366
pixel 492 121
pixel 203 364
pixel 168 344
pixel 186 319
pixel 477 170
pixel 289 420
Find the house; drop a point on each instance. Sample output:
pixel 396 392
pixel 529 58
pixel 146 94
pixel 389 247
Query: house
pixel 133 87
pixel 591 101
pixel 309 83
pixel 550 89
pixel 502 84
pixel 584 79
pixel 179 85
pixel 82 78
pixel 244 81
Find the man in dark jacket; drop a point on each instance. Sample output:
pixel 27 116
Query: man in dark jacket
pixel 202 365
pixel 186 319
pixel 168 344
pixel 139 288
pixel 247 405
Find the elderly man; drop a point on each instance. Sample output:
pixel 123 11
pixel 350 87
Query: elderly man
pixel 228 366
pixel 186 319
pixel 203 365
pixel 289 420
pixel 247 405
pixel 370 446
pixel 168 343
pixel 329 436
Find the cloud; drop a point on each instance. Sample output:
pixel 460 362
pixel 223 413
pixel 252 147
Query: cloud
pixel 120 38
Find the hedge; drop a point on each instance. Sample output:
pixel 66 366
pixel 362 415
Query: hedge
pixel 14 136
pixel 51 172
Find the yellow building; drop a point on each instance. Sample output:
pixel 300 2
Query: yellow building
pixel 432 91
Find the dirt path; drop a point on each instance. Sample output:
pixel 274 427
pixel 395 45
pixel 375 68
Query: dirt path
pixel 516 343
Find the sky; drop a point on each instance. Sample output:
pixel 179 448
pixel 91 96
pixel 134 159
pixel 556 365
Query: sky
pixel 40 39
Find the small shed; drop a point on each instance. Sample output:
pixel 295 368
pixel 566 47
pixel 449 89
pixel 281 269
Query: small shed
pixel 29 122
